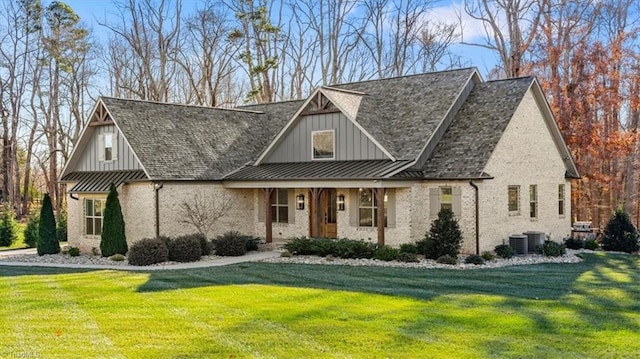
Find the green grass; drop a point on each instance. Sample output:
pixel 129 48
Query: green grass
pixel 19 242
pixel 585 310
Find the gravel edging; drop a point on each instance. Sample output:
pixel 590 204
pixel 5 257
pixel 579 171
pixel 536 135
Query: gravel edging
pixel 571 256
pixel 86 259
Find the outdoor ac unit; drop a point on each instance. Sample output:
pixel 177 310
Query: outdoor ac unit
pixel 534 239
pixel 519 243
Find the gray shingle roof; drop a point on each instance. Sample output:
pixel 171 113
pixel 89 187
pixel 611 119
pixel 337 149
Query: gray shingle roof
pixel 180 142
pixel 476 129
pixel 401 113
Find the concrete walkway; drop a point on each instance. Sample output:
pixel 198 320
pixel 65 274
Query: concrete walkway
pixel 222 261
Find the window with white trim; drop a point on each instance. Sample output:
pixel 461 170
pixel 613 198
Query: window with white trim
pixel 533 201
pixel 514 200
pixel 323 145
pixel 108 146
pixel 93 216
pixel 561 199
pixel 368 208
pixel 280 206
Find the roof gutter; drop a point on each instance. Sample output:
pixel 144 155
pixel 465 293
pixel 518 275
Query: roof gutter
pixel 475 188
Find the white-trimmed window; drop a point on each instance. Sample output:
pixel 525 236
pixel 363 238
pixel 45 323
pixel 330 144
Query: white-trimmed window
pixel 533 201
pixel 368 208
pixel 561 200
pixel 280 206
pixel 108 147
pixel 93 216
pixel 446 198
pixel 323 145
pixel 513 200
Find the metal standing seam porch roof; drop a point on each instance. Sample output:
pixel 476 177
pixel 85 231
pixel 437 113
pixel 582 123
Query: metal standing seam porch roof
pixel 99 182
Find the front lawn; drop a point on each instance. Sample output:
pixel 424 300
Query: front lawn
pixel 590 309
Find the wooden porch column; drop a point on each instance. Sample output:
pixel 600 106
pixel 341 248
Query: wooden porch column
pixel 379 195
pixel 314 202
pixel 267 214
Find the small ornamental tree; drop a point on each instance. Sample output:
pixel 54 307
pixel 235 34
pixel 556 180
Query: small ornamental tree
pixel 31 231
pixel 47 241
pixel 113 239
pixel 444 237
pixel 7 227
pixel 620 234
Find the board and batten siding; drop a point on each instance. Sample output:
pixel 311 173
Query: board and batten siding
pixel 351 143
pixel 90 160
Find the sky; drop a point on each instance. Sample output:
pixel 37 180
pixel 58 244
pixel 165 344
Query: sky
pixel 449 11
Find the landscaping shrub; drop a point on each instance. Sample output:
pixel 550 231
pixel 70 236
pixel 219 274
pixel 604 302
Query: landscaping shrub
pixel 574 243
pixel 61 228
pixel 184 249
pixel 409 248
pixel 299 246
pixel 354 249
pixel 474 259
pixel 504 251
pixel 286 254
pixel 47 240
pixel 386 253
pixel 117 257
pixel 31 230
pixel 205 245
pixel 447 259
pixel 74 251
pixel 487 256
pixel 113 239
pixel 7 227
pixel 591 244
pixel 231 243
pixel 620 234
pixel 445 235
pixel 148 251
pixel 252 243
pixel 407 257
pixel 551 249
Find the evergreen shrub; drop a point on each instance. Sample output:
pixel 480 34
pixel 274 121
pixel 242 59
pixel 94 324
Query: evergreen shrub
pixel 474 259
pixel 574 243
pixel 7 227
pixel 447 259
pixel 591 244
pixel 551 249
pixel 148 251
pixel 444 237
pixel 47 239
pixel 407 257
pixel 185 249
pixel 113 239
pixel 386 253
pixel 31 230
pixel 231 244
pixel 504 251
pixel 620 234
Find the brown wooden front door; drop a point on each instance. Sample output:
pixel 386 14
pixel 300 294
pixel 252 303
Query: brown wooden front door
pixel 327 214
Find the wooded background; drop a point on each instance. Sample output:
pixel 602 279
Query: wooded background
pixel 224 53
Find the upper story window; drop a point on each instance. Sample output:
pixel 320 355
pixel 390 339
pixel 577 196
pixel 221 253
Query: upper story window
pixel 514 200
pixel 323 145
pixel 108 147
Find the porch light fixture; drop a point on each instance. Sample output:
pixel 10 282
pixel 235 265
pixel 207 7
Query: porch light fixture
pixel 300 201
pixel 341 202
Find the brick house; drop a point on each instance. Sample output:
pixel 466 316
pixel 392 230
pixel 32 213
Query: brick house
pixel 373 160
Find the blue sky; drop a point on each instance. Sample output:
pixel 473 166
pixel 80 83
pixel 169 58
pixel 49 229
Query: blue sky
pixel 92 11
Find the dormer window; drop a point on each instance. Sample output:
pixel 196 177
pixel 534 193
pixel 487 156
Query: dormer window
pixel 323 145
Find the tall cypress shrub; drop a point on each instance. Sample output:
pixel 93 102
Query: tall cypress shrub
pixel 113 239
pixel 444 237
pixel 7 227
pixel 47 240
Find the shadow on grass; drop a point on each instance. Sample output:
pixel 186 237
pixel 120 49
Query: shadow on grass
pixel 17 271
pixel 542 281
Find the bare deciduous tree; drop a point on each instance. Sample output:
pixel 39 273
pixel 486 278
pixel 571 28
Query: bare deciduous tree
pixel 202 211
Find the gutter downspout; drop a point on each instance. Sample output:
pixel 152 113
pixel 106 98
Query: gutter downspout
pixel 74 198
pixel 475 187
pixel 157 187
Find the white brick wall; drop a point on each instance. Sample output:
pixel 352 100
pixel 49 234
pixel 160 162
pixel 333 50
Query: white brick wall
pixel 525 155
